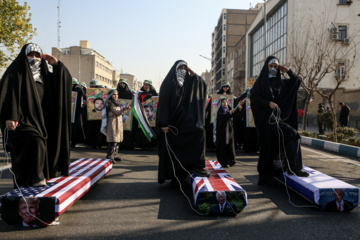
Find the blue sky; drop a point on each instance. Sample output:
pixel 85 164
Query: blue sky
pixel 141 37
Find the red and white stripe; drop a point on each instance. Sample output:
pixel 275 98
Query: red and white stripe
pixel 83 173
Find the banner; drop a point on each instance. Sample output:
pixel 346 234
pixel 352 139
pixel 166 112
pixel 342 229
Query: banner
pixel 95 102
pixel 139 113
pixel 73 105
pixel 150 108
pixel 250 122
pixel 128 116
pixel 214 103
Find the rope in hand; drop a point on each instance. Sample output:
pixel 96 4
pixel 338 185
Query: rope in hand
pixel 275 119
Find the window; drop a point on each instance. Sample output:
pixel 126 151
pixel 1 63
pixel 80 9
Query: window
pixel 341 70
pixel 224 61
pixel 224 49
pixel 343 2
pixel 224 38
pixel 342 33
pixel 224 15
pixel 223 72
pixel 224 27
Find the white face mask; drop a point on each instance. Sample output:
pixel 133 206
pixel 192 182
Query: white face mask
pixel 180 75
pixel 35 66
pixel 272 72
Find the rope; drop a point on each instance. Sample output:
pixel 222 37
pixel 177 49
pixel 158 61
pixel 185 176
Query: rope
pixel 275 118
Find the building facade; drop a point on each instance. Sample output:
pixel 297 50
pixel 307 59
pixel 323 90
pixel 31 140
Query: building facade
pixel 207 78
pixel 85 64
pixel 231 27
pixel 299 32
pixel 313 38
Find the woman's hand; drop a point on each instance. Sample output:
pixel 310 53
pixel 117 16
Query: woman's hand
pixel 283 68
pixel 51 59
pixel 273 105
pixel 192 73
pixel 165 129
pixel 11 124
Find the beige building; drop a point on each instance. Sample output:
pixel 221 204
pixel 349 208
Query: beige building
pixel 116 78
pixel 231 26
pixel 207 78
pixel 85 63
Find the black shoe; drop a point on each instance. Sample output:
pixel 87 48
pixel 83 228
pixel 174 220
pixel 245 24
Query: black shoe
pixel 300 173
pixel 200 172
pixel 267 183
pixel 118 159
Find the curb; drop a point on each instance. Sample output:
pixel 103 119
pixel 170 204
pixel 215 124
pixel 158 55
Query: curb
pixel 332 146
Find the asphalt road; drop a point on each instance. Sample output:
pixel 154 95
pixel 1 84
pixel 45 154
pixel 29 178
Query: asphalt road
pixel 129 204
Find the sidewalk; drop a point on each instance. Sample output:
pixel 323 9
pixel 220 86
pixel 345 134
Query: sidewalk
pixel 330 146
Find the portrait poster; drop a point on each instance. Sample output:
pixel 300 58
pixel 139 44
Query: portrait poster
pixel 349 197
pixel 95 102
pixel 210 203
pixel 15 211
pixel 250 122
pixel 214 103
pixel 150 108
pixel 73 105
pixel 128 116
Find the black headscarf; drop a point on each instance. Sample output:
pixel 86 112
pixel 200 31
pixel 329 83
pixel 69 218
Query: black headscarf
pixel 151 91
pixel 124 93
pixel 221 91
pixel 261 95
pixel 50 119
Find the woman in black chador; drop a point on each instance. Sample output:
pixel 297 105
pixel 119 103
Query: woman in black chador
pixel 35 110
pixel 225 148
pixel 181 106
pixel 271 94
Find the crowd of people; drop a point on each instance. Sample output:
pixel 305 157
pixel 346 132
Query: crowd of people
pixel 41 120
pixel 35 119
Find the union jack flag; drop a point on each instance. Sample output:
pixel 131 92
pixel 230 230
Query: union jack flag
pixel 83 173
pixel 219 180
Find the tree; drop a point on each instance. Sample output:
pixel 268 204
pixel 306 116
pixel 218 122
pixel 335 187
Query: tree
pixel 15 29
pixel 316 55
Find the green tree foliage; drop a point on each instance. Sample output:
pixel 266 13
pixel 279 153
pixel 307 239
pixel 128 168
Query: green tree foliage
pixel 15 29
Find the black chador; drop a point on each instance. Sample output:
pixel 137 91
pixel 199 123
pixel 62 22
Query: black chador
pixel 40 145
pixel 225 148
pixel 181 105
pixel 269 87
pixel 77 131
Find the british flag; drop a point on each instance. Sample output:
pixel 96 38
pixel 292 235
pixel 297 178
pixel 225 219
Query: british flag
pixel 219 180
pixel 83 173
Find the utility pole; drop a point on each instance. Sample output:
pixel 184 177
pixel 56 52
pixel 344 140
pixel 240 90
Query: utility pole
pixel 58 25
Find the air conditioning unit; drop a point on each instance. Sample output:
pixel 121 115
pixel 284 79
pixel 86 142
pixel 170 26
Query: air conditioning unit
pixel 334 36
pixel 334 30
pixel 346 40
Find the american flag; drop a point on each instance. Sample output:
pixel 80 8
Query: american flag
pixel 83 173
pixel 219 180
